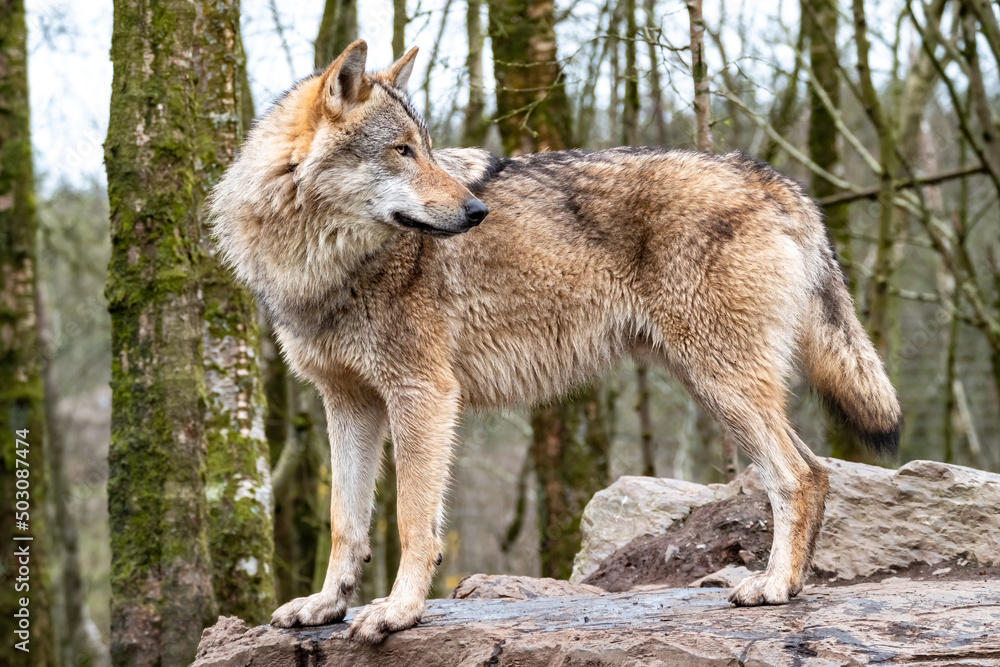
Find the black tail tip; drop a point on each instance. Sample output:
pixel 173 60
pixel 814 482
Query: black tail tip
pixel 884 444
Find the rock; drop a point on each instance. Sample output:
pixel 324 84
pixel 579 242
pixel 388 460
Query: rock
pixel 510 587
pixel 727 577
pixel 876 520
pixel 924 512
pixel 218 639
pixel 917 623
pixel 728 532
pixel 633 507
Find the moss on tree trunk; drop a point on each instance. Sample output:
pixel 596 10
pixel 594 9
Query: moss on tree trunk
pixel 238 490
pixel 161 575
pixel 21 398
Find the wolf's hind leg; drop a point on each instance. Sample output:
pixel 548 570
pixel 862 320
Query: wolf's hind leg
pixel 795 481
pixel 356 423
pixel 422 422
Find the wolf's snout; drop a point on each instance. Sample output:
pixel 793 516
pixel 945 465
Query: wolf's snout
pixel 475 211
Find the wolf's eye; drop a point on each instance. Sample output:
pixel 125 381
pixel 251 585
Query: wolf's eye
pixel 404 150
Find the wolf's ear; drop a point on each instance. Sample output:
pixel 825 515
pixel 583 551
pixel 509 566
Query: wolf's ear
pixel 399 72
pixel 344 81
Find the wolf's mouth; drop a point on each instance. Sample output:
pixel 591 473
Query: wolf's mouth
pixel 404 220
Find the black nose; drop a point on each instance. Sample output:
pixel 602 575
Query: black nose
pixel 475 211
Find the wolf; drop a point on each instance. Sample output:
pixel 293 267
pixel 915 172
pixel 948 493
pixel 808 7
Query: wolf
pixel 390 290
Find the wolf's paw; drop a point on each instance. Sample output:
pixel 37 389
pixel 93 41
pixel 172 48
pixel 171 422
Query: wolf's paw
pixel 374 622
pixel 317 609
pixel 762 588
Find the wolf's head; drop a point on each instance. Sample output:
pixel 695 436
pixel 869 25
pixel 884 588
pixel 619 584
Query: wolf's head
pixel 337 167
pixel 363 151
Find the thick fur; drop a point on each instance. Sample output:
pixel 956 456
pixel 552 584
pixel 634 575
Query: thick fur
pixel 715 267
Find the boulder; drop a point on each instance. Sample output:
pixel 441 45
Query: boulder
pixel 914 623
pixel 734 531
pixel 925 512
pixel 637 506
pixel 877 521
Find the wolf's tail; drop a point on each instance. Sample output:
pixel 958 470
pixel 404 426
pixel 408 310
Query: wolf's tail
pixel 843 366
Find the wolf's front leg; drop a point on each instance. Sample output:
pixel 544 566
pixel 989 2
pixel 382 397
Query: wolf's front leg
pixel 356 423
pixel 422 423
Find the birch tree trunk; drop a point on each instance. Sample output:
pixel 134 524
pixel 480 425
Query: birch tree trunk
pixel 22 416
pixel 161 574
pixel 238 490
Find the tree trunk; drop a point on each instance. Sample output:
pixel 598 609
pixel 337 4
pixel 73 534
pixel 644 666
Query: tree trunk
pixel 786 111
pixel 645 422
pixel 161 574
pixel 820 29
pixel 586 108
pixel 630 119
pixel 569 471
pixel 432 62
pixel 384 533
pixel 296 496
pixel 703 141
pixel 75 639
pixel 241 539
pixel 399 21
pixel 699 72
pixel 533 111
pixel 247 113
pixel 819 26
pixel 878 292
pixel 614 51
pixel 474 128
pixel 22 416
pixel 337 29
pixel 533 114
pixel 630 137
pixel 656 88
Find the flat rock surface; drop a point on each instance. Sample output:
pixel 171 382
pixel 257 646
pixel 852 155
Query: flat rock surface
pixel 914 623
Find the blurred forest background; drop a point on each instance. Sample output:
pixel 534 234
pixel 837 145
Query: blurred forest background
pixel 175 438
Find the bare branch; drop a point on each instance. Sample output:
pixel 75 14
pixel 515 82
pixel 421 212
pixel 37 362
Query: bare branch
pixel 872 193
